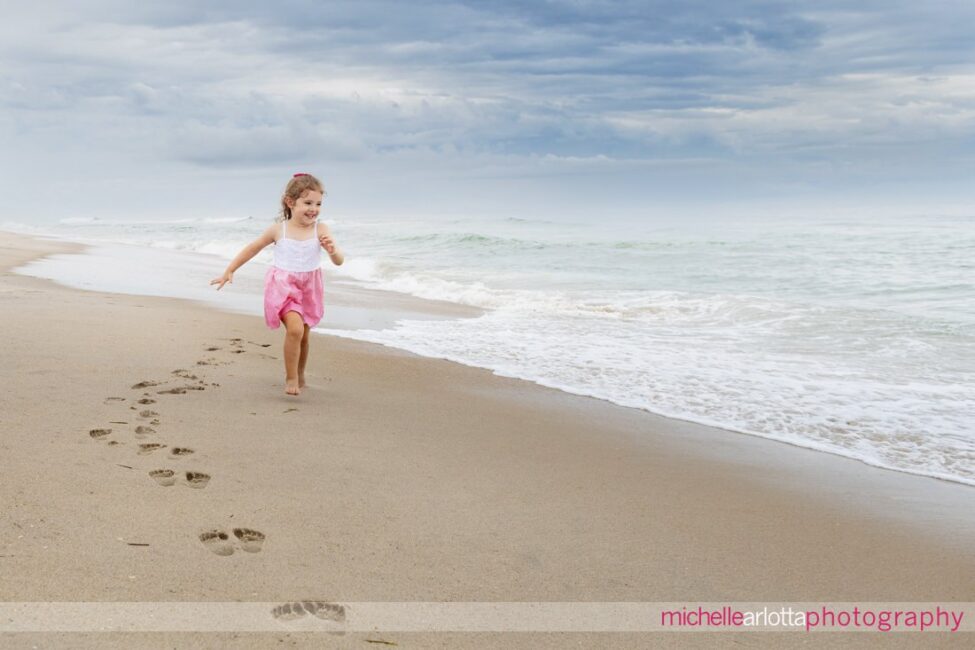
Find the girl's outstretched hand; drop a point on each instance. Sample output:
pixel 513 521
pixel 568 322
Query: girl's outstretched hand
pixel 222 280
pixel 327 243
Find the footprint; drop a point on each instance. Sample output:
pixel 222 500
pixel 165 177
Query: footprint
pixel 325 611
pixel 197 480
pixel 185 374
pixel 179 390
pixel 209 361
pixel 237 351
pixel 147 414
pixel 98 434
pixel 146 400
pixel 145 384
pixel 114 399
pixel 212 348
pixel 217 541
pixel 332 612
pixel 181 451
pixel 165 477
pixel 149 447
pixel 144 431
pixel 250 540
pixel 288 611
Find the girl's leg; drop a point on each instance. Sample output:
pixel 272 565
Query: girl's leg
pixel 303 358
pixel 294 329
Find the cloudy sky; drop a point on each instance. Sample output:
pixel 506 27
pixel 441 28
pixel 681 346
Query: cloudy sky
pixel 513 108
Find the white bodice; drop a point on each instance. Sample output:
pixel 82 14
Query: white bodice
pixel 297 254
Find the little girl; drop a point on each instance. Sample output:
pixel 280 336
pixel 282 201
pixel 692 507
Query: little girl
pixel 293 285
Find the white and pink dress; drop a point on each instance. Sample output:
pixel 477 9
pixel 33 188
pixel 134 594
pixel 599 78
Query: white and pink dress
pixel 294 281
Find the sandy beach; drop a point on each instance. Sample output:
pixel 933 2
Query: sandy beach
pixel 400 478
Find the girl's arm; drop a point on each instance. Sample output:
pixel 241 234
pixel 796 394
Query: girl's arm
pixel 244 256
pixel 334 252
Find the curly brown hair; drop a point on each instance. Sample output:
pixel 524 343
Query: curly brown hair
pixel 298 185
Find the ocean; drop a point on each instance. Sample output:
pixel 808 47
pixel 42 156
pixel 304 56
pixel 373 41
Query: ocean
pixel 849 336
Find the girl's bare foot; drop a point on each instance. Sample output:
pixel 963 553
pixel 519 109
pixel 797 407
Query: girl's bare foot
pixel 301 380
pixel 291 387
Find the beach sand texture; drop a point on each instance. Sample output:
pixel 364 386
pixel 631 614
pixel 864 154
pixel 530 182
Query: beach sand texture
pixel 150 454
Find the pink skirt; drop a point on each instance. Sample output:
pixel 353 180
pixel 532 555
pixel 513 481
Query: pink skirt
pixel 299 291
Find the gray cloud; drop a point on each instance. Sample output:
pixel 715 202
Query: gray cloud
pixel 530 87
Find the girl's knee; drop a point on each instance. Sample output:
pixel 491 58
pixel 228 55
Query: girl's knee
pixel 294 328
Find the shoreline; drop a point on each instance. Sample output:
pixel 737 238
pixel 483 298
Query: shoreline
pixel 352 308
pixel 398 477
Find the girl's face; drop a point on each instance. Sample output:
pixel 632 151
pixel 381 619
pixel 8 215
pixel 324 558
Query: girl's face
pixel 305 209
